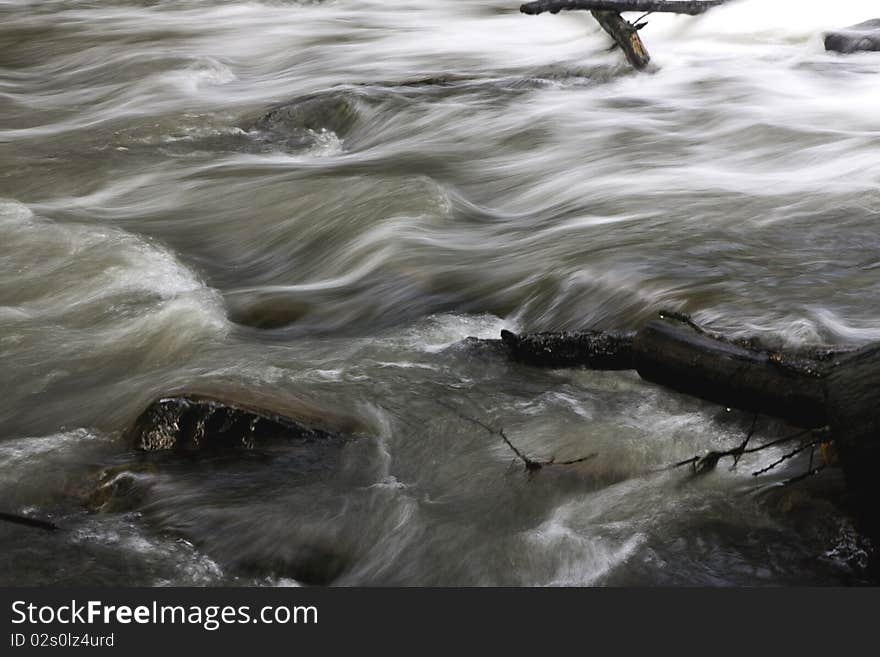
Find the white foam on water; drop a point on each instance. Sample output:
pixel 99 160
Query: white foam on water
pixel 55 269
pixel 438 332
pixel 20 458
pixel 579 558
pixel 177 556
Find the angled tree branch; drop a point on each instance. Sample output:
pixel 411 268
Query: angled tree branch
pixel 530 464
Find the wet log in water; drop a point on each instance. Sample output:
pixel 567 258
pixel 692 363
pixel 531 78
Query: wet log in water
pixel 853 402
pixel 837 388
pixel 597 350
pixel 625 34
pixel 784 385
pixel 690 7
pixel 675 352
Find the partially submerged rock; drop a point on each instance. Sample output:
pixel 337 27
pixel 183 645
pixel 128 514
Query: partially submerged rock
pixel 300 123
pixel 192 422
pixel 856 38
pixel 267 310
pixel 307 563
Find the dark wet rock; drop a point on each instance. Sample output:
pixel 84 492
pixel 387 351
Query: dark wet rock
pixel 856 38
pixel 267 310
pixel 305 122
pixel 301 122
pixel 120 488
pixel 383 298
pixel 188 423
pixel 306 563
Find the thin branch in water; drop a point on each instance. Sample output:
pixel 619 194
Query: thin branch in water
pixel 684 319
pixel 808 473
pixel 705 463
pixel 637 23
pixel 784 439
pixel 574 461
pixel 531 465
pixel 787 456
pixel 745 443
pixel 689 461
pixel 36 523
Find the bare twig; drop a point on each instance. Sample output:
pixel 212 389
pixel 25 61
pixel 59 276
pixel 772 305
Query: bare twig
pixel 784 439
pixel 637 23
pixel 684 319
pixel 742 447
pixel 787 456
pixel 809 473
pixel 707 462
pixel 531 465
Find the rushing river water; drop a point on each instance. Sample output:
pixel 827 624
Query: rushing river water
pixel 437 169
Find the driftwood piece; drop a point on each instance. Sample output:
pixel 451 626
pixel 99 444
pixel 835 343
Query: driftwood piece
pixel 626 36
pixel 689 7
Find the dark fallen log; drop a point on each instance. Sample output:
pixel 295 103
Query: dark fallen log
pixel 616 350
pixel 787 386
pixel 856 38
pixel 598 350
pixel 192 422
pixel 853 402
pixel 689 7
pixel 832 393
pixel 674 352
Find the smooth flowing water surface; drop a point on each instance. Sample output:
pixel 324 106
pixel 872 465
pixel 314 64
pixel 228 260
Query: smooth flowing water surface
pixel 320 200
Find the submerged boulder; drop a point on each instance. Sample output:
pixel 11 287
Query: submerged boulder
pixel 301 123
pixel 856 38
pixel 307 563
pixel 192 422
